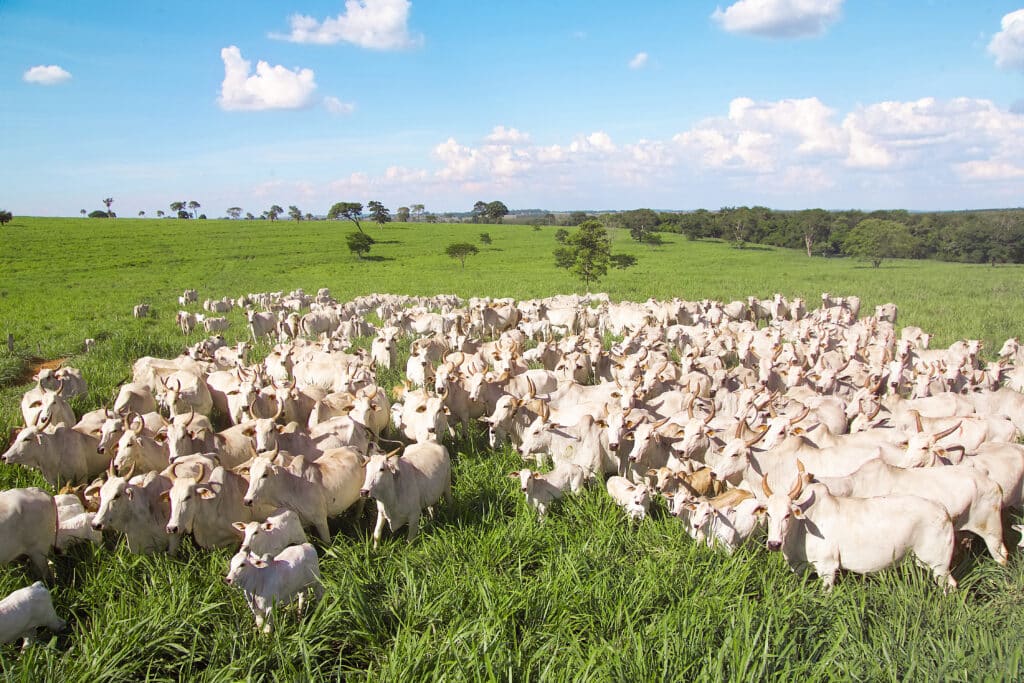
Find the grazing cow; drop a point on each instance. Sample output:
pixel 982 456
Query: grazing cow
pixel 543 489
pixel 63 455
pixel 814 528
pixel 28 526
pixel 325 487
pixel 207 508
pixel 140 311
pixel 186 322
pixel 635 499
pixel 267 581
pixel 728 526
pixel 280 530
pixel 25 610
pixel 404 486
pixel 261 324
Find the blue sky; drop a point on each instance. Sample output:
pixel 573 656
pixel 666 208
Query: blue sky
pixel 557 105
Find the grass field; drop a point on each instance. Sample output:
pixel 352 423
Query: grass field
pixel 485 593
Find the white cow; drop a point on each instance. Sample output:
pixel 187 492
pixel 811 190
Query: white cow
pixel 280 530
pixel 136 509
pixel 635 499
pixel 404 486
pixel 543 489
pixel 28 526
pixel 25 610
pixel 61 456
pixel 278 580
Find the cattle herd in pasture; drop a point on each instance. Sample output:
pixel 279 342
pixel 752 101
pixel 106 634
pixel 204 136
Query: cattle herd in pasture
pixel 848 440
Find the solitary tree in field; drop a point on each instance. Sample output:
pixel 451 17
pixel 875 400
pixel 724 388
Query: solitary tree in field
pixel 402 214
pixel 235 212
pixel 142 214
pixel 107 202
pixel 875 239
pixel 295 213
pixel 485 238
pixel 159 213
pixel 193 205
pixel 587 252
pixel 249 216
pixel 460 250
pixel 5 216
pixel 82 211
pixel 417 211
pixel 379 213
pixel 352 211
pixel 496 211
pixel 359 243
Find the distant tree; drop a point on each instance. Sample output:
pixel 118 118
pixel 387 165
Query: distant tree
pixel 274 211
pixel 417 211
pixel 177 208
pixel 142 214
pixel 431 218
pixel 485 238
pixel 560 235
pixel 202 216
pixel 107 202
pixel 875 239
pixel 352 211
pixel 359 243
pixel 402 214
pixel 379 213
pixel 183 214
pixel 5 216
pixel 82 211
pixel 235 212
pixel 575 218
pixel 295 213
pixel 815 225
pixel 587 252
pixel 249 216
pixel 310 217
pixel 99 214
pixel 497 211
pixel 653 239
pixel 193 205
pixel 460 250
pixel 479 212
pixel 159 213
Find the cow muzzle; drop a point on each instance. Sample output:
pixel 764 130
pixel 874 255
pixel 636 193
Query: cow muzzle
pixel 364 493
pixel 773 545
pixel 98 526
pixel 101 450
pixel 172 529
pixel 247 502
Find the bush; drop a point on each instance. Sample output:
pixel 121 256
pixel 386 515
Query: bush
pixel 99 214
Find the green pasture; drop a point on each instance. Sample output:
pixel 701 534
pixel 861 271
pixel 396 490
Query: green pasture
pixel 485 593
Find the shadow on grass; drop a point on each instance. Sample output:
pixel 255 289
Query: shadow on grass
pixel 376 241
pixel 377 258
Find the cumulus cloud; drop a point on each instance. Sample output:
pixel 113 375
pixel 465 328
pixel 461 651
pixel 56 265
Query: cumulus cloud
pixel 46 75
pixel 639 61
pixel 271 87
pixel 374 24
pixel 336 106
pixel 502 135
pixel 779 18
pixel 1007 46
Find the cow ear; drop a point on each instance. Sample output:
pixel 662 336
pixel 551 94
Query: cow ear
pixel 513 475
pixel 258 562
pixel 129 493
pixel 238 526
pixel 165 496
pixel 206 493
pixel 535 475
pixel 690 506
pixel 798 511
pixel 267 526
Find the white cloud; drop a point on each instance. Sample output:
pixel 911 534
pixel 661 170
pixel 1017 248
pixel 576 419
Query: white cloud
pixel 46 75
pixel 1007 46
pixel 990 170
pixel 271 87
pixel 501 135
pixel 779 18
pixel 639 61
pixel 375 24
pixel 336 106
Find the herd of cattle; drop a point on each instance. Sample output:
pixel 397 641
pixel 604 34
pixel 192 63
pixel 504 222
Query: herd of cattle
pixel 851 440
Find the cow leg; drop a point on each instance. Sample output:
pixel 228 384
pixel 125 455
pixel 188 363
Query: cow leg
pixel 322 530
pixel 41 567
pixel 378 528
pixel 414 527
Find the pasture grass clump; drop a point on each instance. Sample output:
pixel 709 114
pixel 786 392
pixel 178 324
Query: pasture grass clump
pixel 485 592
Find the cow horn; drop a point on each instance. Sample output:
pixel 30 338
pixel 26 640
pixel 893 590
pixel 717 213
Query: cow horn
pixel 765 487
pixel 739 430
pixel 946 432
pixel 462 358
pixel 760 435
pixel 280 409
pixel 878 407
pixel 252 409
pixel 917 421
pixel 801 416
pixel 799 485
pixel 191 416
pixel 689 405
pixel 711 414
pixel 110 469
pixel 108 413
pixel 533 387
pixel 202 471
pixel 130 472
pixel 163 382
pixel 40 426
pixel 545 412
pixel 60 386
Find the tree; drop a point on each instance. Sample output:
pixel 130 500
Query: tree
pixel 485 238
pixel 479 212
pixel 460 250
pixel 352 211
pixel 496 211
pixel 359 243
pixel 183 214
pixel 235 212
pixel 107 202
pixel 587 252
pixel 82 211
pixel 295 213
pixel 309 217
pixel 815 225
pixel 402 215
pixel 249 216
pixel 99 214
pixel 417 211
pixel 274 211
pixel 142 214
pixel 561 235
pixel 652 239
pixel 5 216
pixel 159 213
pixel 875 239
pixel 193 205
pixel 575 218
pixel 379 213
pixel 177 208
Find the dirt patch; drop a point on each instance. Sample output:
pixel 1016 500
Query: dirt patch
pixel 35 364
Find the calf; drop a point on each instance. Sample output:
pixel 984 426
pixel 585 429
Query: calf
pixel 267 581
pixel 542 489
pixel 281 529
pixel 25 610
pixel 28 526
pixel 633 498
pixel 404 486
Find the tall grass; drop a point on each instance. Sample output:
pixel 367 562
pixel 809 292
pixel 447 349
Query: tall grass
pixel 485 592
